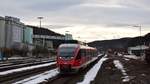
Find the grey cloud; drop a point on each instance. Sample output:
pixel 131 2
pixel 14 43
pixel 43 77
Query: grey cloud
pixel 73 12
pixel 56 26
pixel 50 5
pixel 137 4
pixel 88 15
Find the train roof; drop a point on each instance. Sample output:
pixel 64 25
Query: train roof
pixel 76 45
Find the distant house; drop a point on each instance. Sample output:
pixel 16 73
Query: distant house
pixel 137 50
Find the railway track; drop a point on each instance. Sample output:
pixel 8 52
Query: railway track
pixel 12 77
pixel 23 61
pixel 58 79
pixel 15 66
pixel 70 78
pixel 65 79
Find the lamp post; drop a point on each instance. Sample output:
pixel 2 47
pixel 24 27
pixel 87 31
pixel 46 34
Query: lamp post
pixel 67 32
pixel 85 43
pixel 40 19
pixel 139 26
pixel 140 39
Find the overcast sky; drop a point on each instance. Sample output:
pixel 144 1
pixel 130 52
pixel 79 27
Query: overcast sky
pixel 86 19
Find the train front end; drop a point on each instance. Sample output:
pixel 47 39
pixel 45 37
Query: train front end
pixel 66 58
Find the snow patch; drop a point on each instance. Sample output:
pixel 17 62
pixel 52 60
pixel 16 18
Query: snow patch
pixel 126 59
pixel 118 64
pixel 119 54
pixel 100 55
pixel 26 68
pixel 105 55
pixel 15 58
pixel 132 56
pixel 39 78
pixel 91 74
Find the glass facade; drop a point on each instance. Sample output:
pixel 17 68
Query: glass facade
pixel 28 33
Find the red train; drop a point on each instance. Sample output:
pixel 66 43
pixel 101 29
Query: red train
pixel 72 57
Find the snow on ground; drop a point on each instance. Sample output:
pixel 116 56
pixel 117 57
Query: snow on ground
pixel 126 59
pixel 119 54
pixel 26 68
pixel 105 55
pixel 100 55
pixel 39 78
pixel 118 64
pixel 132 56
pixel 91 74
pixel 15 58
pixel 5 64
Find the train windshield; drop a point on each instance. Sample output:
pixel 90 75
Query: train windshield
pixel 66 51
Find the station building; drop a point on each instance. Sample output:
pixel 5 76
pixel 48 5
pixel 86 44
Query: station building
pixel 46 38
pixel 13 33
pixel 2 32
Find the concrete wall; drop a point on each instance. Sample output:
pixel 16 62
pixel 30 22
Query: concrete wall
pixel 8 33
pixel 2 32
pixel 17 33
pixel 14 31
pixel 49 44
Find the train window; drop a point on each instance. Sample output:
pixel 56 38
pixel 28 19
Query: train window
pixel 82 51
pixel 87 53
pixel 92 53
pixel 66 51
pixel 79 54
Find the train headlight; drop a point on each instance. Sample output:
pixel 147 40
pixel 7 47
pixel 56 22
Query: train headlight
pixel 60 57
pixel 71 57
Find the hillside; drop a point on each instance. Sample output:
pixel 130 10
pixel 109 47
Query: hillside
pixel 122 43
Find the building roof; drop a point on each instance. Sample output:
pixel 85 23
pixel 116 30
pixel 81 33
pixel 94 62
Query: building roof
pixel 43 31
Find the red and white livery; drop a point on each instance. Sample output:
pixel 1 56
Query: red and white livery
pixel 72 57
